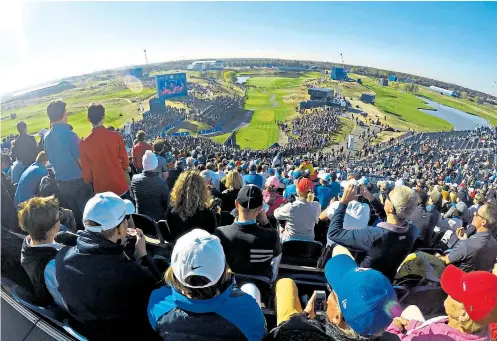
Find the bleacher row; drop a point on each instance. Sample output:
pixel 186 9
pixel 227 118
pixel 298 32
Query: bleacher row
pixel 302 261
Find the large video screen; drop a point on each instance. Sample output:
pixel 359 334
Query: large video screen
pixel 171 85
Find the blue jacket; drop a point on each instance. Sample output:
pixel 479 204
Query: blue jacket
pixel 29 183
pixel 324 193
pixel 253 179
pixel 289 191
pixel 386 245
pixel 232 315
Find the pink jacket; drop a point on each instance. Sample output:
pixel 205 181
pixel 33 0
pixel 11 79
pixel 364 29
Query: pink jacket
pixel 435 329
pixel 274 200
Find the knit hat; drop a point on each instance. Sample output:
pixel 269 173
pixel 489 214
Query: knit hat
pixel 149 161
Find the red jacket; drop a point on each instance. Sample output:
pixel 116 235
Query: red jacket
pixel 104 161
pixel 138 152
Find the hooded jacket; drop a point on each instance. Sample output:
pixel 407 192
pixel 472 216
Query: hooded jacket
pixel 231 315
pixel 105 290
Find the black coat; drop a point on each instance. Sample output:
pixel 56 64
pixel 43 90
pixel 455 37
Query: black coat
pixel 173 176
pixel 105 290
pixel 151 194
pixel 34 260
pixel 25 149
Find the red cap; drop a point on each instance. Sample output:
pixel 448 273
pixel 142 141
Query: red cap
pixel 304 185
pixel 476 290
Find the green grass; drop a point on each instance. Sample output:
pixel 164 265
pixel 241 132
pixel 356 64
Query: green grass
pixel 485 111
pixel 115 103
pixel 404 107
pixel 221 138
pixel 262 130
pixel 347 125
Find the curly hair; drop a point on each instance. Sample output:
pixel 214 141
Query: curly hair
pixel 189 195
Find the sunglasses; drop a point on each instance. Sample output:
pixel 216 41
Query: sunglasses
pixel 476 214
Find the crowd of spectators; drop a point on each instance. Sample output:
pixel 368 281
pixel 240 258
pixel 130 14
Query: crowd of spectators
pixel 226 216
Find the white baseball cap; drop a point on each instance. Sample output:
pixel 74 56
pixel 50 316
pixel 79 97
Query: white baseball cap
pixel 106 209
pixel 198 253
pixel 325 176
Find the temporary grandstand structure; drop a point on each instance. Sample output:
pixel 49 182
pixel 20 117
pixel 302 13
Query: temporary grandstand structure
pixel 443 91
pixel 206 65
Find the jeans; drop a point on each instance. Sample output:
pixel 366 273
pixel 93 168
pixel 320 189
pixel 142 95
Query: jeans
pixel 74 195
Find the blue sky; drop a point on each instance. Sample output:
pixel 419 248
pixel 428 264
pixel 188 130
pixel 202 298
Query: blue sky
pixel 449 41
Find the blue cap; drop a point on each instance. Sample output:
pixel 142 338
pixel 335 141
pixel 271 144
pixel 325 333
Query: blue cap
pixel 367 300
pixel 296 174
pixel 271 171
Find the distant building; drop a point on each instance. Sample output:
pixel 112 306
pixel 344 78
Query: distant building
pixel 384 81
pixel 392 78
pixel 206 65
pixel 42 91
pixel 338 73
pixel 443 91
pixel 320 94
pixel 368 98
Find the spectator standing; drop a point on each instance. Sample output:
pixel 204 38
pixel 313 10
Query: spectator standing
pixel 40 218
pixel 62 149
pixel 103 287
pixel 387 244
pixel 103 156
pixel 278 160
pixel 325 191
pixel 479 251
pixel 200 301
pixel 139 149
pixel 252 178
pixel 24 148
pixel 190 206
pixel 251 248
pixel 271 195
pixel 162 166
pixel 233 185
pixel 291 190
pixel 174 174
pixel 150 190
pixel 301 215
pixel 29 183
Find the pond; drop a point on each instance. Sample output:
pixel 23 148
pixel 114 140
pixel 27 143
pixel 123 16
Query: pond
pixel 459 119
pixel 242 79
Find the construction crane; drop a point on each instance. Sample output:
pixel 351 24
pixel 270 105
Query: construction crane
pixel 146 61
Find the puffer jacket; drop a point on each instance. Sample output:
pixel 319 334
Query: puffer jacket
pixel 435 329
pixel 231 315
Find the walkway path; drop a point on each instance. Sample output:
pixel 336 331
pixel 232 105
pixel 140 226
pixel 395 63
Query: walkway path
pixel 273 100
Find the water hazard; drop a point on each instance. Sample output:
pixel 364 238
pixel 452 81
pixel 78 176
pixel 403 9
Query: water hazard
pixel 459 119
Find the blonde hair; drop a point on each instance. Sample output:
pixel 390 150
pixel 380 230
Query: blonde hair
pixel 459 318
pixel 38 215
pixel 404 201
pixel 189 195
pixel 234 180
